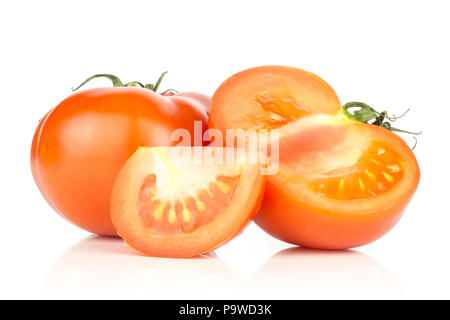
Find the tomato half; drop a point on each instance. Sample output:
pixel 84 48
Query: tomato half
pixel 340 184
pixel 80 146
pixel 164 207
pixel 269 97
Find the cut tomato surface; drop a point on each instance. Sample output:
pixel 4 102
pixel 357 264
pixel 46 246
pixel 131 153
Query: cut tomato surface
pixel 270 97
pixel 182 202
pixel 340 183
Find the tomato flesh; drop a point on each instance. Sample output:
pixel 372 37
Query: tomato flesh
pixel 376 171
pixel 270 97
pixel 185 213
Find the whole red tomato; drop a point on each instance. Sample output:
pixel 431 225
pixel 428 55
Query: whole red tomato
pixel 80 146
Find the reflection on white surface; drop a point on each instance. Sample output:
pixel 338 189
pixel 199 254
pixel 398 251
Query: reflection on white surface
pixel 326 274
pixel 103 267
pixel 98 267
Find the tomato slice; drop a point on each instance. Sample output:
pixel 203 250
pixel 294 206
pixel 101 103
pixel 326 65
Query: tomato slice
pixel 165 205
pixel 270 97
pixel 341 183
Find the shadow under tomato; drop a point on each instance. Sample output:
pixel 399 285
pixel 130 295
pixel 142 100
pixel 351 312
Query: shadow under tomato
pixel 99 267
pixel 306 273
pixel 116 245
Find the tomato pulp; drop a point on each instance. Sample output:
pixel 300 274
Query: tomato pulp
pixel 270 97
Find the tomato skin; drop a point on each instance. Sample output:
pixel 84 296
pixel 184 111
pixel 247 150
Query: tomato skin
pixel 336 224
pixel 289 219
pixel 202 98
pixel 79 146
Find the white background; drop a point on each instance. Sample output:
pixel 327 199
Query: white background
pixel 390 54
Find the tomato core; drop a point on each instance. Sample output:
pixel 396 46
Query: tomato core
pixel 279 109
pixel 182 198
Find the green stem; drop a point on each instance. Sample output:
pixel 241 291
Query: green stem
pixel 365 113
pixel 170 90
pixel 134 84
pixel 115 80
pixel 118 83
pixel 158 82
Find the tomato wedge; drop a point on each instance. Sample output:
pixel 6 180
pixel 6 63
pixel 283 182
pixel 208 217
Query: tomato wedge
pixel 177 202
pixel 340 184
pixel 269 97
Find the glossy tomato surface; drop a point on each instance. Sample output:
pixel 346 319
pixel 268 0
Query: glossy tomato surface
pixel 180 202
pixel 340 184
pixel 80 145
